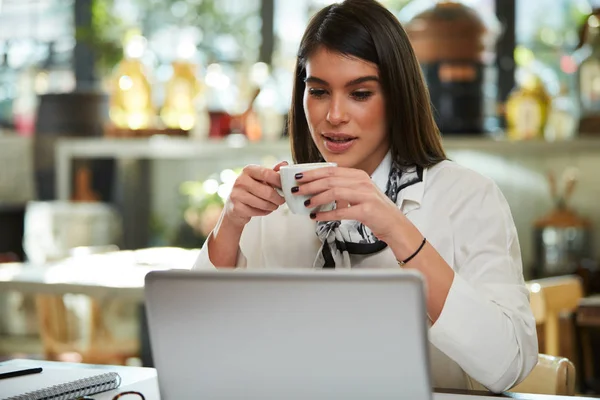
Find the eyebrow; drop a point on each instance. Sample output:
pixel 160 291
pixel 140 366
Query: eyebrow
pixel 357 81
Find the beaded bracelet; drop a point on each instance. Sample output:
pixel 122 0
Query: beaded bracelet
pixel 402 263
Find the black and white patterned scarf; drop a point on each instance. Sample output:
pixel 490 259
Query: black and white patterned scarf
pixel 340 239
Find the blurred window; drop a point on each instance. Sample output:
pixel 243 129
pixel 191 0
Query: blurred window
pixel 34 35
pixel 546 38
pixel 291 17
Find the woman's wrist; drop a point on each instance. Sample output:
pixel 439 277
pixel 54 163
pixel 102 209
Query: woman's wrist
pixel 223 242
pixel 229 227
pixel 403 262
pixel 406 241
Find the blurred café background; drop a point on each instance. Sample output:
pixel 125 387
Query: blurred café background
pixel 123 124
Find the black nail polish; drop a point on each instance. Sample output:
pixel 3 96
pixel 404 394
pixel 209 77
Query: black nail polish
pixel 313 215
pixel 299 175
pixel 295 189
pixel 307 203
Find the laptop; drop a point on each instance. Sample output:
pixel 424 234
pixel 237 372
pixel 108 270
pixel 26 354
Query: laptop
pixel 282 334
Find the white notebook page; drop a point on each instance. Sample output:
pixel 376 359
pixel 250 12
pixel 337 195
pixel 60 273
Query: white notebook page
pixel 48 377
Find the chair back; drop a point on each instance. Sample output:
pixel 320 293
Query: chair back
pixel 549 297
pixel 552 375
pixel 79 328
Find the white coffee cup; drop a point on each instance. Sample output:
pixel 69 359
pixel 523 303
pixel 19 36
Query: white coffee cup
pixel 295 202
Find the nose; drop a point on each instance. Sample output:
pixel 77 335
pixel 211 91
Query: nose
pixel 337 113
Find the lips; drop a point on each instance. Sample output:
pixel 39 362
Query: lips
pixel 338 136
pixel 338 142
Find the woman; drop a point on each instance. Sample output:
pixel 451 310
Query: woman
pixel 360 101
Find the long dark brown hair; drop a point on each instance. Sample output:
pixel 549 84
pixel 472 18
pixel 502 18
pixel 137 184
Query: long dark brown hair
pixel 367 30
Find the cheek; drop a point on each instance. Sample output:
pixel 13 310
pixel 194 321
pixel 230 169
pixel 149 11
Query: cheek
pixel 372 116
pixel 312 110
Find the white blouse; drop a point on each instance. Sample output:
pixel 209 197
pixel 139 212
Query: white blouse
pixel 486 330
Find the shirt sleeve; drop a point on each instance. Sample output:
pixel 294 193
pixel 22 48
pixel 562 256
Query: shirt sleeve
pixel 203 261
pixel 486 325
pixel 250 242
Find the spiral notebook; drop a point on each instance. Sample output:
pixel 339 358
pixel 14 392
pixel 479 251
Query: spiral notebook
pixel 55 384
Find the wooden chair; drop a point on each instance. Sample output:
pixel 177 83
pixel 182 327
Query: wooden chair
pixel 549 298
pixel 587 335
pixel 89 339
pixel 551 376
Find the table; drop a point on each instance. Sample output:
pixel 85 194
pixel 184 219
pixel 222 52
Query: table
pixel 117 275
pixel 91 279
pixel 132 378
pixel 145 381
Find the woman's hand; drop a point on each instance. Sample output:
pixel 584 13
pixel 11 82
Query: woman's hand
pixel 357 198
pixel 253 194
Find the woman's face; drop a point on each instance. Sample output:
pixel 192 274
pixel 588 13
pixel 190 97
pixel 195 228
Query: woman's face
pixel 345 110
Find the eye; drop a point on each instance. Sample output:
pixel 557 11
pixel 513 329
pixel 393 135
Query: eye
pixel 362 95
pixel 317 93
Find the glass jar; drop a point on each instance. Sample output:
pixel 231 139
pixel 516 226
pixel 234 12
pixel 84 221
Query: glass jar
pixel 563 118
pixel 527 109
pixel 454 44
pixel 131 104
pixel 179 109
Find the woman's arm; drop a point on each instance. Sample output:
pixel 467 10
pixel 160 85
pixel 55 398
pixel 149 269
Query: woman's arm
pixel 437 273
pixel 481 314
pixel 252 195
pixel 480 309
pixel 223 243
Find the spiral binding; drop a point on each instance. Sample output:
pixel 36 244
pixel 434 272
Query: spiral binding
pixel 73 390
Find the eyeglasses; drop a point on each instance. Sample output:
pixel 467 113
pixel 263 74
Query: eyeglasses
pixel 121 396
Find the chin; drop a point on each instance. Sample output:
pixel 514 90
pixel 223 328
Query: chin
pixel 342 160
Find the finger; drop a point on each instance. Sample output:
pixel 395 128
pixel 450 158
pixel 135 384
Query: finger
pixel 253 201
pixel 320 173
pixel 324 184
pixel 341 204
pixel 262 174
pixel 249 189
pixel 276 168
pixel 247 211
pixel 339 214
pixel 340 195
pixel 266 192
pixel 279 165
pixel 259 189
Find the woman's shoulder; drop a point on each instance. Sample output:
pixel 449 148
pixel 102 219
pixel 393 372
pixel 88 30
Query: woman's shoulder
pixel 452 181
pixel 450 173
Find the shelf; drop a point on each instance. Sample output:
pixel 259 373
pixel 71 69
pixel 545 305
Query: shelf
pixel 237 148
pixel 183 148
pixel 133 173
pixel 159 147
pixel 523 147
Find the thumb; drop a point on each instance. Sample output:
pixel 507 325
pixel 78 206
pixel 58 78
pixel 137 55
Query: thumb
pixel 279 165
